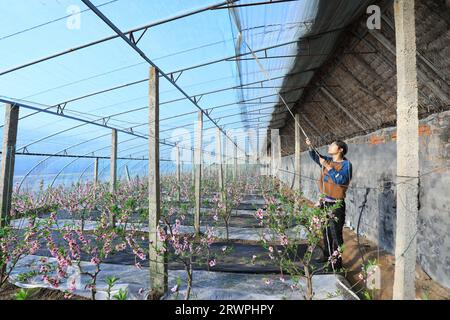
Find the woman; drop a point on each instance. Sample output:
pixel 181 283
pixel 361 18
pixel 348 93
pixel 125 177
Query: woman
pixel 336 173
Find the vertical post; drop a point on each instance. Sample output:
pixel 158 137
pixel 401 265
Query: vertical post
pixel 235 160
pixel 113 170
pixel 225 161
pixel 198 170
pixel 113 159
pixel 127 172
pixel 279 162
pixel 8 160
pixel 247 151
pixel 95 172
pixel 157 262
pixel 263 160
pixel 297 163
pixel 219 164
pixel 275 151
pixel 257 147
pixel 178 174
pixel 269 153
pixel 193 165
pixel 407 151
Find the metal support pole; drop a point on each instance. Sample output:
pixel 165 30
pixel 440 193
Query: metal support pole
pixel 407 151
pixel 157 261
pixel 198 170
pixel 297 169
pixel 8 160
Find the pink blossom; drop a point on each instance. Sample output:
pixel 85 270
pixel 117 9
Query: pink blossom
pixel 260 214
pixel 72 285
pixel 283 240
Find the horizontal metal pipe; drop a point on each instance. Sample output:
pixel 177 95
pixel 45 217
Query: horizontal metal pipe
pixel 90 44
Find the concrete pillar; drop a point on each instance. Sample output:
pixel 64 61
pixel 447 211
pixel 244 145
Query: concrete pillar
pixel 113 159
pixel 178 174
pixel 258 158
pixel 127 173
pixel 8 160
pixel 407 151
pixel 247 148
pixel 226 154
pixel 198 170
pixel 297 163
pixel 235 164
pixel 275 152
pixel 269 153
pixel 263 155
pixel 113 169
pixel 157 262
pixel 220 166
pixel 278 155
pixel 95 172
pixel 193 165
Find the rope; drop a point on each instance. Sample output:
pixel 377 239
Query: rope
pixel 267 75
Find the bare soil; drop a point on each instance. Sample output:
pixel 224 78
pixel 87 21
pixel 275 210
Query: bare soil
pixel 426 288
pixel 9 291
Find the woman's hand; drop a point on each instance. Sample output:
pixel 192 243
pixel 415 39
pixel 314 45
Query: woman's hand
pixel 308 142
pixel 322 161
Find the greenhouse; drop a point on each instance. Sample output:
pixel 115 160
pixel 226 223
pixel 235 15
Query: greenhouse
pixel 225 150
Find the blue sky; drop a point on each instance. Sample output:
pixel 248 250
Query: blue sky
pixel 186 42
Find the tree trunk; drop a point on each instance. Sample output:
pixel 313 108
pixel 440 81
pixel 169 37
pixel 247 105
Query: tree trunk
pixel 309 288
pixel 189 281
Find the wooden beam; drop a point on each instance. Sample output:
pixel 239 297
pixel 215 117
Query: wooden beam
pixel 332 98
pixel 443 96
